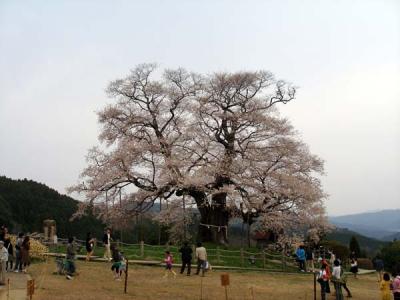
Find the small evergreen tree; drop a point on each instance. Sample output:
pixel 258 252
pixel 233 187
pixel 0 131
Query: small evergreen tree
pixel 354 246
pixel 391 256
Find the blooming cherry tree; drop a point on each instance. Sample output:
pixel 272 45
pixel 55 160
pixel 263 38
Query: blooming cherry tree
pixel 216 140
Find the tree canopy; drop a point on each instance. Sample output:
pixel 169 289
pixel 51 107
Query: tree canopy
pixel 216 141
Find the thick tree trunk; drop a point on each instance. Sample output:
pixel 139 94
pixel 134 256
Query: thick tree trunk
pixel 214 218
pixel 214 226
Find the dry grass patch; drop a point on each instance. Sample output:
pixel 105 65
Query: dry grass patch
pixel 96 282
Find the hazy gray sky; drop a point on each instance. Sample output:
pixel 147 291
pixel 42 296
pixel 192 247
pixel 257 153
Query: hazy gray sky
pixel 56 58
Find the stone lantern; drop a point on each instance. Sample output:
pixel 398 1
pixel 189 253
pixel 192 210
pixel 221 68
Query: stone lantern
pixel 49 230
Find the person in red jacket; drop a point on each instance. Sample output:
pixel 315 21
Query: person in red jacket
pixel 323 280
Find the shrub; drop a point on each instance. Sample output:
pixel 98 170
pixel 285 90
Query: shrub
pixel 340 250
pixel 365 263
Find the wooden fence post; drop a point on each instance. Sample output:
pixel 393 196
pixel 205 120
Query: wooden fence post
pixel 126 277
pixel 315 286
pixel 218 255
pixel 241 257
pixel 283 262
pixel 141 248
pixel 264 261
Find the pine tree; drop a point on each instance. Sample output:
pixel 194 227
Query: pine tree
pixel 354 246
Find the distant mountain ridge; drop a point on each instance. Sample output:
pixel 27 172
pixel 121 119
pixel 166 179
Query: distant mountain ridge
pixel 370 245
pixel 383 225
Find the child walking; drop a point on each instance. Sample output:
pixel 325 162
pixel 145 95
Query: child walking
pixel 385 287
pixel 168 264
pixel 117 258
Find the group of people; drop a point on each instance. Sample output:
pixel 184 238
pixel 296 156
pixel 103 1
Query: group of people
pixel 186 258
pixel 336 276
pixel 112 253
pixel 9 253
pixel 331 270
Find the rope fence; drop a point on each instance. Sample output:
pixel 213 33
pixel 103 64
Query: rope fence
pixel 220 257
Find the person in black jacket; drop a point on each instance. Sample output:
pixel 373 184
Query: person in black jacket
pixel 89 246
pixel 186 253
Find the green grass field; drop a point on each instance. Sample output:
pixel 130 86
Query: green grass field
pixel 95 281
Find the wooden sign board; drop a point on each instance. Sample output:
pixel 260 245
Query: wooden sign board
pixel 224 279
pixel 30 288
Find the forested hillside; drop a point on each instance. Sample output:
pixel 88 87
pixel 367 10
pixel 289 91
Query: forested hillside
pixel 369 245
pixel 24 204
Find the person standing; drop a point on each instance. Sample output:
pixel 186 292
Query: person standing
pixel 107 244
pixel 18 256
pixel 336 274
pixel 332 258
pixel 25 259
pixel 3 263
pixel 328 275
pixel 396 283
pixel 3 233
pixel 8 245
pixel 117 258
pixel 379 266
pixel 70 258
pixel 323 280
pixel 186 255
pixel 89 246
pixel 343 279
pixel 354 267
pixel 301 257
pixel 201 256
pixel 309 259
pixel 385 287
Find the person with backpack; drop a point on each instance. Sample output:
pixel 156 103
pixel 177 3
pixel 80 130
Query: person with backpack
pixel 186 255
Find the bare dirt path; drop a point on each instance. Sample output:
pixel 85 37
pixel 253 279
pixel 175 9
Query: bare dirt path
pixel 17 287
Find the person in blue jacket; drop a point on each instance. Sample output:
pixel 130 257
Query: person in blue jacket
pixel 301 257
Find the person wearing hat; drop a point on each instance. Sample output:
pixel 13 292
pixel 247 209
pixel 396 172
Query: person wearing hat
pixel 3 262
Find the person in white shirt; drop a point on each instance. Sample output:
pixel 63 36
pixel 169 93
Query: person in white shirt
pixel 3 263
pixel 107 243
pixel 201 255
pixel 336 273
